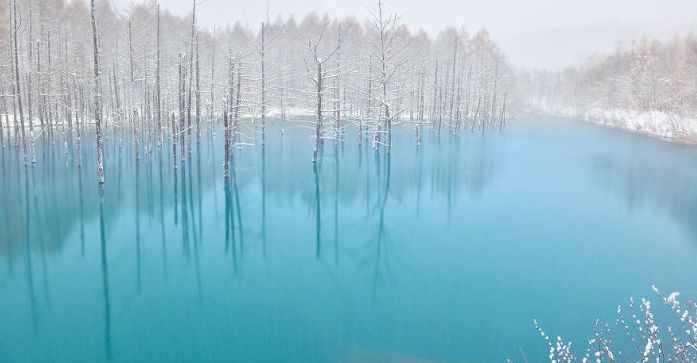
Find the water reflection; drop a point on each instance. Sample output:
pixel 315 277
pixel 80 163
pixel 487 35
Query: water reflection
pixel 28 253
pixel 318 212
pixel 81 214
pixel 136 216
pixel 263 200
pixel 381 238
pixel 236 202
pixel 60 186
pixel 160 163
pixel 336 204
pixel 348 215
pixel 233 217
pixel 105 276
pixel 662 181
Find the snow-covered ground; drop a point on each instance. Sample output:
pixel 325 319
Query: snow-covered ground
pixel 655 123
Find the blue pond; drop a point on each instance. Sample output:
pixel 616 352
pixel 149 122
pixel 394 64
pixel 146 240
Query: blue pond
pixel 443 253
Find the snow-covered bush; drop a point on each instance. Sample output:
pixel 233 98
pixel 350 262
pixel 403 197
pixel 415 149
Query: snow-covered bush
pixel 644 339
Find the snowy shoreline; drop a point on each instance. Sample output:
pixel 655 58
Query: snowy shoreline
pixel 668 127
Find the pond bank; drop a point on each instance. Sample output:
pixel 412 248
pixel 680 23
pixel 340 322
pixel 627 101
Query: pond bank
pixel 668 127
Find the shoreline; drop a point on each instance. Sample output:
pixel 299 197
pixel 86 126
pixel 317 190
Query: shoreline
pixel 681 138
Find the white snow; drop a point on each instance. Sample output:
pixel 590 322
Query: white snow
pixel 655 123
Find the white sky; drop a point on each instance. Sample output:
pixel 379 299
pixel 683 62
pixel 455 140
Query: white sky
pixel 511 22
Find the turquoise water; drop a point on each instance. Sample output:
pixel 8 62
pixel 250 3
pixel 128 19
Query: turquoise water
pixel 443 253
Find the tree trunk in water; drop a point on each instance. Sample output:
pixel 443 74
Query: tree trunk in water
pixel 212 100
pixel 158 100
pixel 191 74
pixel 97 98
pixel 263 87
pixel 18 92
pixel 198 96
pixel 318 127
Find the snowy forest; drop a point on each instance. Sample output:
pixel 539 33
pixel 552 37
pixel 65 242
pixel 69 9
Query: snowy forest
pixel 649 86
pixel 67 66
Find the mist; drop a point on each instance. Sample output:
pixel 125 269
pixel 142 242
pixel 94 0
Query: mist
pixel 535 34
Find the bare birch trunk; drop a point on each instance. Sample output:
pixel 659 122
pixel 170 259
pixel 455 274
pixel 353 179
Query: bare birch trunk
pixel 158 95
pixel 97 98
pixel 263 85
pixel 18 92
pixel 318 127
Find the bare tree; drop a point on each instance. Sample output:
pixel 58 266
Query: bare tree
pixel 97 98
pixel 18 92
pixel 387 66
pixel 318 74
pixel 158 94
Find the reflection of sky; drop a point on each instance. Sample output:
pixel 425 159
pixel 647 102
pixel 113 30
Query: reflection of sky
pixel 446 253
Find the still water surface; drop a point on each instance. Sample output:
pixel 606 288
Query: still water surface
pixel 443 253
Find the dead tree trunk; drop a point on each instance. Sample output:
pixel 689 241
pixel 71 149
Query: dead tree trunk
pixel 318 126
pixel 97 98
pixel 18 92
pixel 191 73
pixel 212 91
pixel 158 99
pixel 198 95
pixel 238 99
pixel 317 76
pixel 182 101
pixel 263 85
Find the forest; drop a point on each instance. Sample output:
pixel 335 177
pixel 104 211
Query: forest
pixel 161 80
pixel 649 86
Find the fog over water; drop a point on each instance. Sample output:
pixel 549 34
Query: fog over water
pixel 534 33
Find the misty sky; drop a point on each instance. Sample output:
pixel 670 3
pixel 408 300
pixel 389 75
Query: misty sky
pixel 542 33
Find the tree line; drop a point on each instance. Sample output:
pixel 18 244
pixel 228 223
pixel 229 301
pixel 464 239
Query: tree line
pixel 146 76
pixel 649 76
